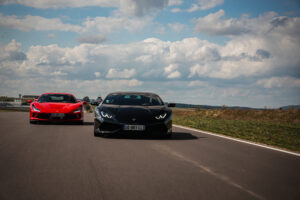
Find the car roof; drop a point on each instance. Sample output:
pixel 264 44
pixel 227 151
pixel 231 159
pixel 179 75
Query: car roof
pixel 57 93
pixel 134 93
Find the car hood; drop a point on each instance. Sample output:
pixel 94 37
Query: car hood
pixel 135 114
pixel 57 107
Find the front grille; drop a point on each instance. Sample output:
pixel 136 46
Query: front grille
pixel 66 117
pixel 109 127
pixel 43 115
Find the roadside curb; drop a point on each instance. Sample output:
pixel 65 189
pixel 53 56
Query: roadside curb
pixel 238 140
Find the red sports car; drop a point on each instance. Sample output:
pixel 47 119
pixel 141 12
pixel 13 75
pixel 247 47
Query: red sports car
pixel 58 107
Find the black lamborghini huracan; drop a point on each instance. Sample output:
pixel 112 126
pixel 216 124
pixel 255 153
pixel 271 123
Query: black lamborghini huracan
pixel 133 112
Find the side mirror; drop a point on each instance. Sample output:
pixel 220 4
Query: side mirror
pixel 35 100
pixel 83 102
pixel 171 104
pixel 29 101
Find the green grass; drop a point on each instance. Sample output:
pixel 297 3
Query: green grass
pixel 283 134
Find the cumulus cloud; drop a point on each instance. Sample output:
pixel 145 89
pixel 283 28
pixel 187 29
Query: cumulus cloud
pixel 103 25
pixel 12 52
pixel 175 2
pixel 37 23
pixel 91 39
pixel 172 71
pixel 142 7
pixel 115 23
pixel 218 24
pixel 115 73
pixel 279 82
pixel 205 4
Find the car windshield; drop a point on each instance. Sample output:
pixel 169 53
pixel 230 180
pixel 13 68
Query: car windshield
pixel 133 99
pixel 57 98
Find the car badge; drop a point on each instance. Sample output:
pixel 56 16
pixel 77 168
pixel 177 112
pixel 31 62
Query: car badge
pixel 57 111
pixel 133 119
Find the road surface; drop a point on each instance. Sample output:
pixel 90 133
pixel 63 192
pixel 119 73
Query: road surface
pixel 56 161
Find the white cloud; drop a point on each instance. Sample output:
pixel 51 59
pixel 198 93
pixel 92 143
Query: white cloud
pixel 12 52
pixel 91 39
pixel 178 27
pixel 115 73
pixel 115 23
pixel 218 24
pixel 141 7
pixel 29 23
pixel 98 24
pixel 204 5
pixel 279 82
pixel 207 4
pixel 175 2
pixel 172 71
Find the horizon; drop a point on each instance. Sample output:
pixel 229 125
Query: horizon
pixel 201 52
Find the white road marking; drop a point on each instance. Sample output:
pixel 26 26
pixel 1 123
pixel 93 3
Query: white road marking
pixel 167 149
pixel 237 140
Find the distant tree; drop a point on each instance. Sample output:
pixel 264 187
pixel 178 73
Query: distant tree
pixel 87 99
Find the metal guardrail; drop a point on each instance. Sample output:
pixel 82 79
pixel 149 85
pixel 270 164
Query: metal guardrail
pixel 14 107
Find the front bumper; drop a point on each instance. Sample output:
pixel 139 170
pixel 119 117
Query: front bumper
pixel 67 117
pixel 110 127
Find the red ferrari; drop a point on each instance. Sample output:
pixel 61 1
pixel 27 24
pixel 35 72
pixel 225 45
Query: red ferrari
pixel 56 107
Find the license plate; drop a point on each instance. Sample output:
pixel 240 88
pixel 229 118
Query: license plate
pixel 57 115
pixel 133 127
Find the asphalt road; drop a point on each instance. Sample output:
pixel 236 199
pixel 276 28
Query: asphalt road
pixel 55 161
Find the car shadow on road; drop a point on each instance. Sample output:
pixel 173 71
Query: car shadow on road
pixel 175 136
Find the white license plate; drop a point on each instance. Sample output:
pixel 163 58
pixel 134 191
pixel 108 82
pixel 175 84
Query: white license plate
pixel 133 127
pixel 57 115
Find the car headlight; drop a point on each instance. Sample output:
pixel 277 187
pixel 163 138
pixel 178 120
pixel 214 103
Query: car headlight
pixel 35 109
pixel 78 110
pixel 161 116
pixel 105 115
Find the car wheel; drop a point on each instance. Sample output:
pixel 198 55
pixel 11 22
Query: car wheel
pixel 80 122
pixel 32 122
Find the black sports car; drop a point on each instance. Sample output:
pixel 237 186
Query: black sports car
pixel 133 112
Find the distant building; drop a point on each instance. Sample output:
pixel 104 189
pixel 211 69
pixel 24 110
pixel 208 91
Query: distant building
pixel 30 96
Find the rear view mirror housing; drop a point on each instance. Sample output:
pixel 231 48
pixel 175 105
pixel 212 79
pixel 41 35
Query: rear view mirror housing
pixel 171 105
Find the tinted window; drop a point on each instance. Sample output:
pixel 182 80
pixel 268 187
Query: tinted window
pixel 58 98
pixel 132 99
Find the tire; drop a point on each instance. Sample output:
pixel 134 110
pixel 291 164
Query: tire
pixel 32 122
pixel 80 122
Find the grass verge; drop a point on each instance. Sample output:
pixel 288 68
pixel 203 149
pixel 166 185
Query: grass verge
pixel 267 130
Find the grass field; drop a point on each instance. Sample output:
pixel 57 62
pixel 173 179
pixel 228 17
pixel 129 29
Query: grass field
pixel 279 128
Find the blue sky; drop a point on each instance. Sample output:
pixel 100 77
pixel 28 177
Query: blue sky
pixel 213 52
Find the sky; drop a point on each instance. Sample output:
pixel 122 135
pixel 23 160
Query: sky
pixel 208 52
